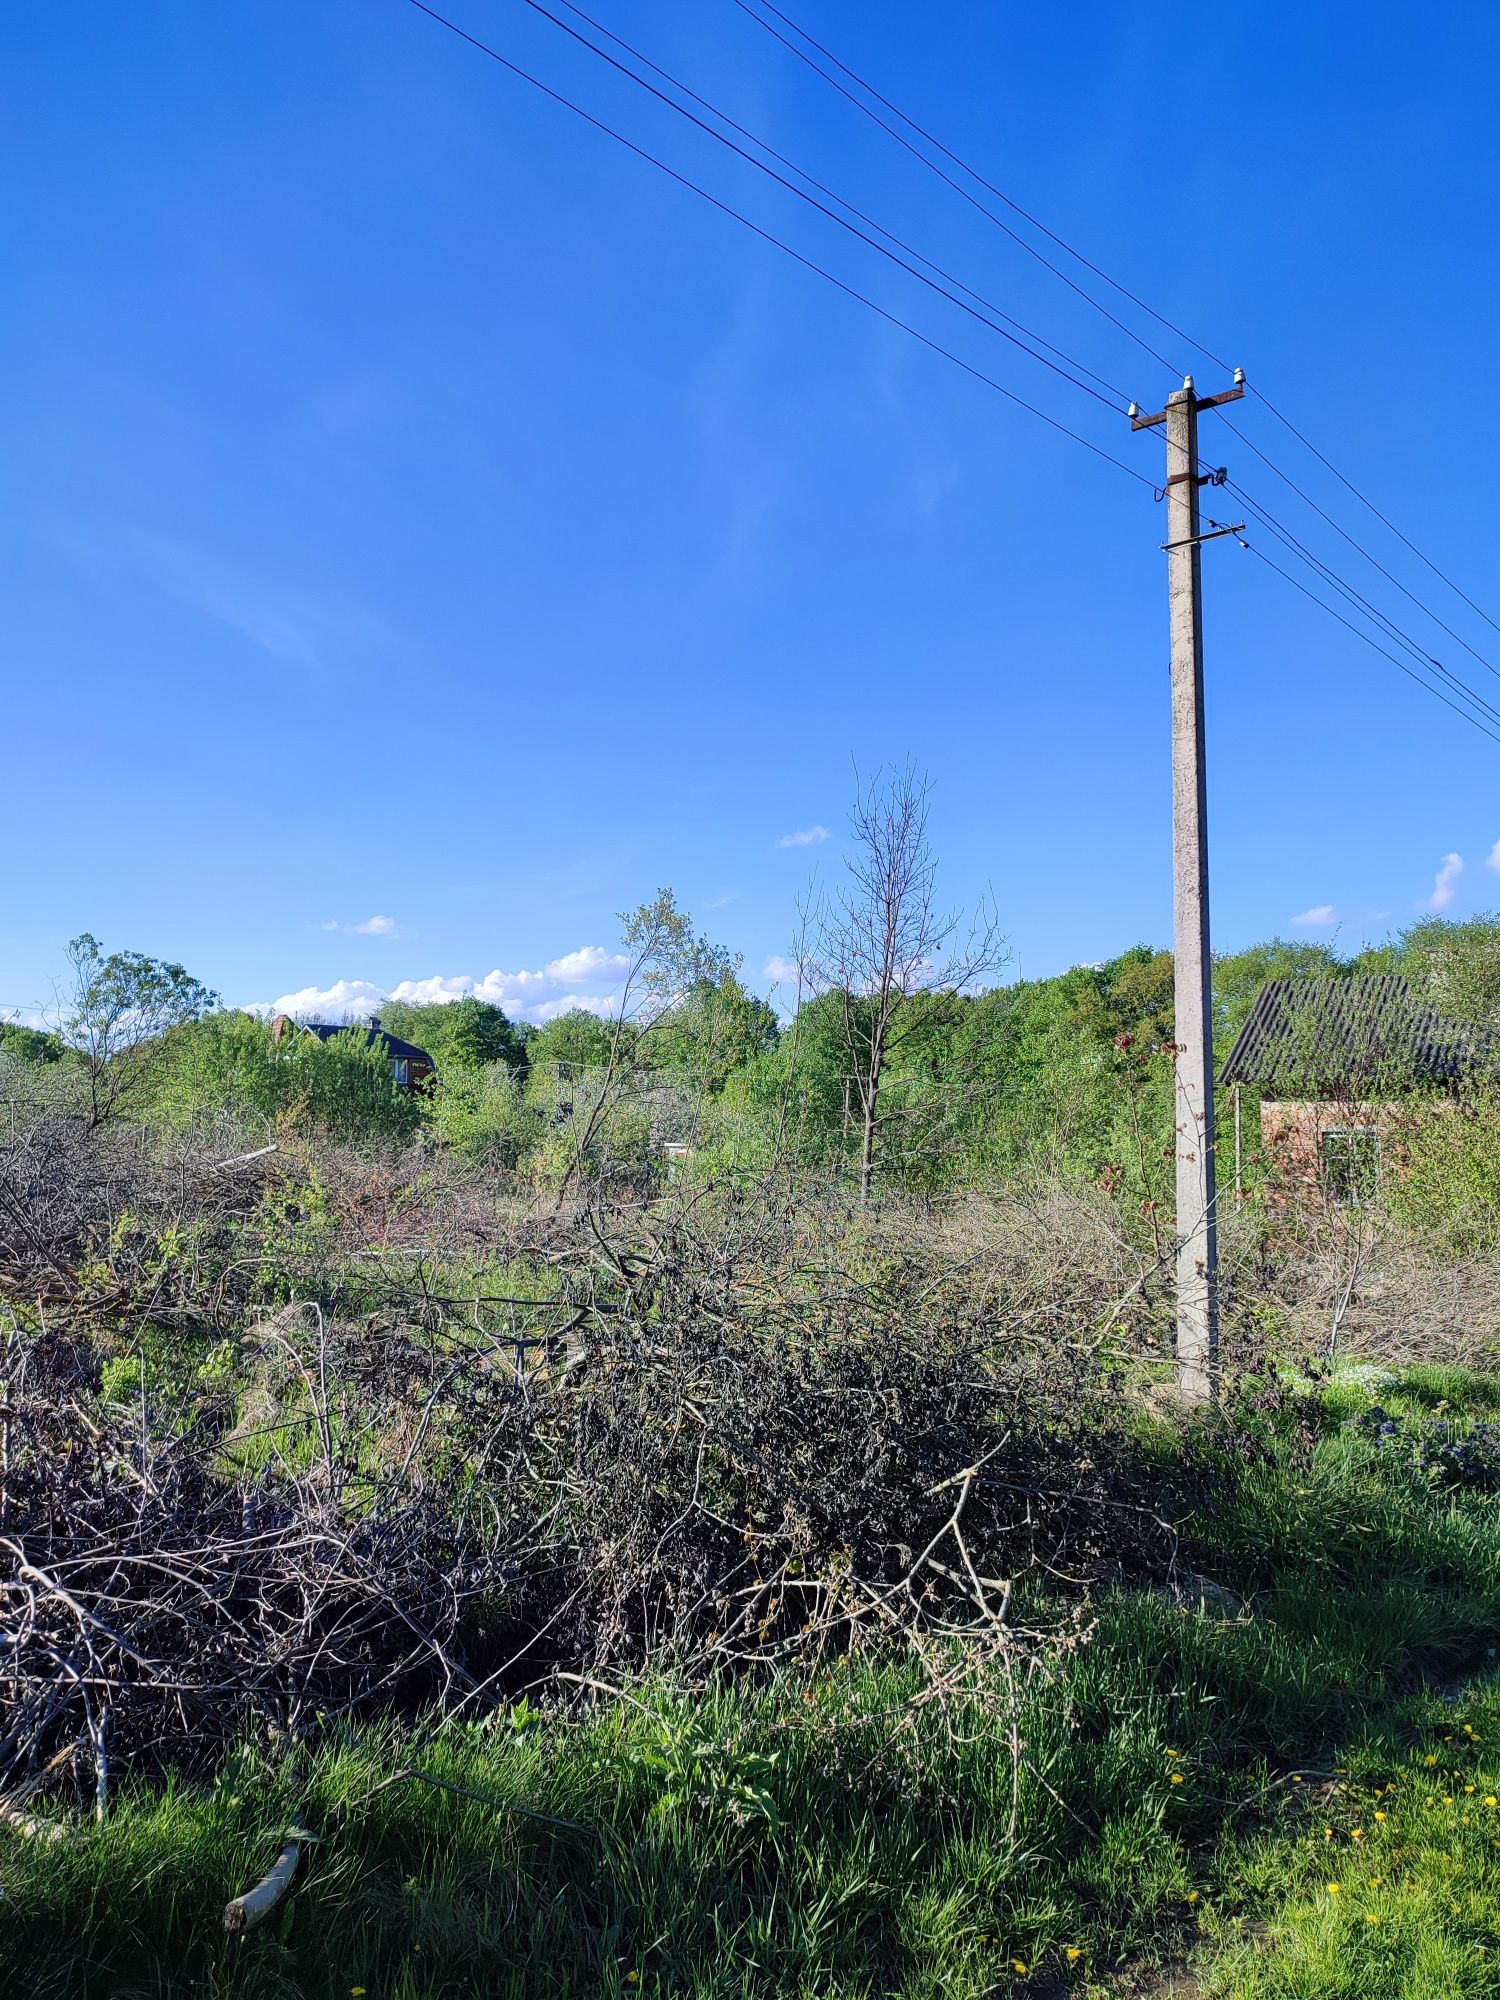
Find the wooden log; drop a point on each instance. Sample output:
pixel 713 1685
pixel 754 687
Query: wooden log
pixel 29 1826
pixel 246 1911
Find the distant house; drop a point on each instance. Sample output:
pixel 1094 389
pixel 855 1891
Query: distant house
pixel 412 1068
pixel 1331 1059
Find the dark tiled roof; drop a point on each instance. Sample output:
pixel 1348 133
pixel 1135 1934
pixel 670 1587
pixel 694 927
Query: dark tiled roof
pixel 1309 1037
pixel 392 1044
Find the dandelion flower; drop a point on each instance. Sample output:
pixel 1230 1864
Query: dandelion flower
pixel 1177 1777
pixel 1468 1788
pixel 1380 1815
pixel 1356 1833
pixel 356 1992
pixel 1296 1777
pixel 1333 1888
pixel 1429 1759
pixel 1192 1895
pixel 1174 1753
pixel 1018 1965
pixel 1371 1918
pixel 1073 1951
pixel 1490 1799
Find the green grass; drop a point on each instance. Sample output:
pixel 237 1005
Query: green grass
pixel 1382 1883
pixel 837 1838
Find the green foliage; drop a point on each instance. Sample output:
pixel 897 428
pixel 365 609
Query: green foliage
pixel 344 1086
pixel 716 1028
pixel 30 1045
pixel 119 1009
pixel 487 1114
pixel 1444 1157
pixel 224 1064
pixel 1238 977
pixel 576 1037
pixel 467 1034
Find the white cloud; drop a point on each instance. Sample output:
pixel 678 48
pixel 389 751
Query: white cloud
pixel 589 977
pixel 345 1000
pixel 371 927
pixel 806 836
pixel 781 971
pixel 1319 915
pixel 1445 881
pixel 1492 859
pixel 590 961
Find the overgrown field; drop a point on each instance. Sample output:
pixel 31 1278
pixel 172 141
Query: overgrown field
pixel 723 1590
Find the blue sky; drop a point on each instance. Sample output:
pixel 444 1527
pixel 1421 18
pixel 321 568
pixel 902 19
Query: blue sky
pixel 419 510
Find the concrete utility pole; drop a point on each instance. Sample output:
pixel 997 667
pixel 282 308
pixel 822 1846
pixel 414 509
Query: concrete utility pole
pixel 1197 1207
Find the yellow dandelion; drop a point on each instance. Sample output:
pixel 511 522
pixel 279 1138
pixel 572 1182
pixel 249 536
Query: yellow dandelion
pixel 1333 1888
pixel 1356 1833
pixel 1490 1799
pixel 1296 1777
pixel 1192 1895
pixel 1371 1918
pixel 1073 1951
pixel 1380 1815
pixel 1429 1760
pixel 1468 1788
pixel 1174 1753
pixel 1177 1777
pixel 355 1992
pixel 1447 1798
pixel 1018 1965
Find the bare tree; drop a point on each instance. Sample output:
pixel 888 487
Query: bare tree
pixel 117 1010
pixel 885 947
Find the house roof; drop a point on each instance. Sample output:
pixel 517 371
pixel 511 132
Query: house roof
pixel 1309 1037
pixel 392 1044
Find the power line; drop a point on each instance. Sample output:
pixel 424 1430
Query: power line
pixel 957 187
pixel 1385 522
pixel 969 368
pixel 1323 605
pixel 974 174
pixel 1124 292
pixel 1359 547
pixel 832 194
pixel 767 236
pixel 812 201
pixel 1354 597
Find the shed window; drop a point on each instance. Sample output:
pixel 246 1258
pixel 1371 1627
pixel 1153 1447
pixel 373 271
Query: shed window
pixel 400 1070
pixel 1349 1159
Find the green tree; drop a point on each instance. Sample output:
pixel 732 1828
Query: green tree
pixel 344 1086
pixel 30 1045
pixel 716 1028
pixel 1238 977
pixel 120 1007
pixel 577 1038
pixel 467 1034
